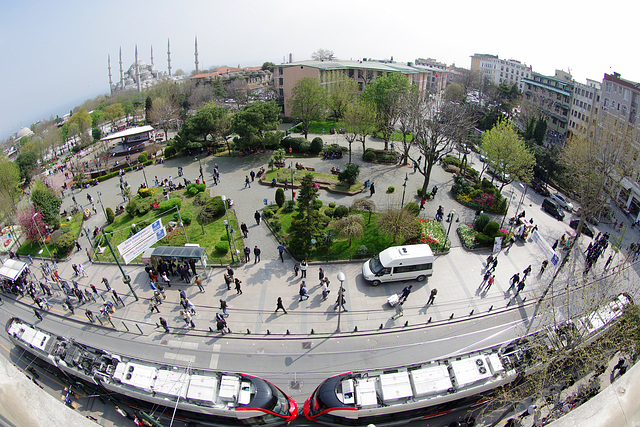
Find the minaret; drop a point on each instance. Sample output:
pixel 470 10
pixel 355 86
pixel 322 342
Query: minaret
pixel 110 81
pixel 137 70
pixel 121 72
pixel 196 54
pixel 152 57
pixel 169 56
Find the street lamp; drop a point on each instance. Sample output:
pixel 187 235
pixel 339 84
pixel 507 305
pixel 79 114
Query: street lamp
pixel 103 211
pixel 292 172
pixel 507 211
pixel 341 278
pixel 145 177
pixel 520 203
pixel 33 218
pixel 227 225
pixel 404 187
pixel 450 219
pixel 201 174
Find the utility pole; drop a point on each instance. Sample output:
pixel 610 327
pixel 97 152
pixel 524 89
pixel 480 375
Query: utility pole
pixel 126 279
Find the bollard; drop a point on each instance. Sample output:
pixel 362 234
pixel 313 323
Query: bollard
pixel 451 317
pixel 114 326
pixel 138 326
pixel 125 326
pixel 355 329
pixel 101 297
pixel 210 330
pixel 288 333
pixel 101 324
pixel 248 331
pixel 406 324
pixel 490 308
pixel 268 332
pixel 429 321
pixel 471 314
pixel 509 303
pixel 380 326
pixel 312 332
pixel 523 300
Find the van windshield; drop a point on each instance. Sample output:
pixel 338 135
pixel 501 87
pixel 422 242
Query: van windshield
pixel 375 265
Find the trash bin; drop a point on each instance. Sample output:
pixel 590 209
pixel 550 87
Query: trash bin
pixel 165 197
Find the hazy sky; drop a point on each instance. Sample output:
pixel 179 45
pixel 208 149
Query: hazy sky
pixel 54 54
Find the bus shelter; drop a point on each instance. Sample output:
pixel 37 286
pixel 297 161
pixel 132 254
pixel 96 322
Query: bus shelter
pixel 179 254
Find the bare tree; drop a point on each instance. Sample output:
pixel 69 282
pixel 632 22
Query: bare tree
pixel 323 55
pixel 363 204
pixel 238 91
pixel 399 222
pixel 163 113
pixel 350 226
pixel 359 119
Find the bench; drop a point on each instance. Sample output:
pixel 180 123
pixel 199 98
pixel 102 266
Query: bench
pixel 311 169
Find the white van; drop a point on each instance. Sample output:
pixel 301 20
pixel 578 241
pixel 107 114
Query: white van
pixel 399 263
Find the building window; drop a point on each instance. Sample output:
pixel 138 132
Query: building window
pixel 608 87
pixel 280 71
pixel 351 73
pixel 626 94
pixel 281 92
pixel 360 75
pixel 280 81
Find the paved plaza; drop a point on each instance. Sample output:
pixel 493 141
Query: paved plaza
pixel 311 342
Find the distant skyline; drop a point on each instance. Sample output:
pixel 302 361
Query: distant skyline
pixel 55 53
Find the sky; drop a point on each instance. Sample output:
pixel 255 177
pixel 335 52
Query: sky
pixel 54 54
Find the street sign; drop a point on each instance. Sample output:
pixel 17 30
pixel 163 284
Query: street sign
pixel 141 241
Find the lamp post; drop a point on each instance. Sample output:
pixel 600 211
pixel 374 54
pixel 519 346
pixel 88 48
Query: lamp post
pixel 145 177
pixel 103 211
pixel 519 204
pixel 507 211
pixel 341 278
pixel 404 187
pixel 33 218
pixel 201 174
pixel 450 219
pixel 292 172
pixel 228 225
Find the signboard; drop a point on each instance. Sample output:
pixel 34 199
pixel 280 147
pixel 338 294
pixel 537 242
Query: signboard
pixel 135 245
pixel 497 245
pixel 546 248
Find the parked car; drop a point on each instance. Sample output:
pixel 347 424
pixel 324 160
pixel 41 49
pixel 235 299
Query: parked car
pixel 553 209
pixel 540 187
pixel 562 201
pixel 586 230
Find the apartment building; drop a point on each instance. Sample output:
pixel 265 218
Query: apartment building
pixel 427 79
pixel 499 71
pixel 585 105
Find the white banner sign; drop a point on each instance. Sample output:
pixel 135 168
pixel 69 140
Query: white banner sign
pixel 143 240
pixel 549 253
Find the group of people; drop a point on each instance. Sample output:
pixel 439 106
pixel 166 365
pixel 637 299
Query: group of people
pixel 595 250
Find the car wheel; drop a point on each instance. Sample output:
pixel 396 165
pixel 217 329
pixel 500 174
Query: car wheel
pixel 420 278
pixel 375 283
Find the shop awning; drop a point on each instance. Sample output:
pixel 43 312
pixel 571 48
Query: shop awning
pixel 11 269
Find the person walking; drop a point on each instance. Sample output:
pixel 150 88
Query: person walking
pixel 164 325
pixel 320 274
pixel 228 280
pixel 89 315
pixel 432 296
pixel 303 291
pixel 520 286
pixel 199 283
pixel 281 251
pixel 543 267
pixel 238 289
pixel 153 305
pixel 280 305
pixel 399 311
pixel 256 254
pixel 515 279
pixel 247 182
pixel 486 276
pixel 81 270
pixel 116 298
pixel 186 316
pixel 296 269
pixel 244 229
pixel 372 190
pixel 490 282
pixel 257 217
pixel 526 272
pixel 303 269
pixel 106 283
pixel 325 290
pixel 340 301
pixel 405 293
pixel 606 265
pixel 493 265
pixel 224 306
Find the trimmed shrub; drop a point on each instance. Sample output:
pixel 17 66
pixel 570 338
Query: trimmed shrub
pixel 289 206
pixel 413 207
pixel 221 248
pixel 481 222
pixel 370 156
pixel 110 215
pixel 484 240
pixel 267 212
pixel 317 204
pixel 145 192
pixel 329 212
pixel 168 204
pixel 131 208
pixel 198 187
pixel 332 204
pixel 192 191
pixel 362 250
pixel 316 145
pixel 187 217
pixel 108 229
pixel 142 158
pixel 304 146
pixel 341 211
pixel 170 151
pixel 491 229
pixel 214 207
pixel 349 174
pixel 63 241
pixel 276 226
pixel 201 199
pixel 391 189
pixel 280 197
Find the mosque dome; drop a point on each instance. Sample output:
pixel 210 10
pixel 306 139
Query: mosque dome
pixel 23 132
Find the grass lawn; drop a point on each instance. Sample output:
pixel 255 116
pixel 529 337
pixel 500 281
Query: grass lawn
pixel 215 231
pixel 33 248
pixel 321 178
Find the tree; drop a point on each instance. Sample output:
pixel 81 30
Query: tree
pixel 163 113
pixel 363 204
pixel 267 66
pixel 306 226
pixel 207 122
pixel 323 55
pixel 341 92
pixel 359 120
pixel 397 222
pixel 8 185
pixel 349 174
pixel 540 131
pixel 455 92
pixel 97 118
pixel 47 203
pixel 238 90
pixel 148 106
pixel 437 126
pixel 253 121
pixel 350 226
pixel 83 120
pixel 96 133
pixel 528 130
pixel 408 102
pixel 27 163
pixel 129 109
pixel 308 102
pixel 507 154
pixel 113 113
pixel 280 198
pixel 32 225
pixel 386 93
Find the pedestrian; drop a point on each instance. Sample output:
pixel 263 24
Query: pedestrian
pixel 77 245
pixel 228 280
pixel 224 306
pixel 544 265
pixel 257 217
pixel 190 306
pixel 81 270
pixel 526 272
pixel 399 311
pixel 520 286
pixel 70 306
pixel 247 183
pixel 325 290
pixel 422 202
pixel 303 269
pixel 434 191
pixel 494 265
pixel 247 254
pixel 164 325
pixel 432 296
pixel 221 323
pixel 230 271
pixel 89 315
pixel 296 268
pixel 199 283
pixel 183 294
pixel 186 316
pixel 192 264
pixel 46 303
pixel 303 291
pixel 245 230
pixel 37 313
pixel 490 282
pixel 320 274
pixel 153 305
pixel 116 297
pixel 281 251
pixel 405 293
pixel 75 269
pixel 486 277
pixel 256 254
pixel 280 305
pixel 340 301
pixel 514 280
pixel 606 265
pixel 555 245
pixel 238 289
pixel 489 260
pixel 253 175
pixel 372 190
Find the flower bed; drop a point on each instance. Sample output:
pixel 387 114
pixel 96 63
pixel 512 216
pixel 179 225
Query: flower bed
pixel 482 196
pixel 468 236
pixel 433 234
